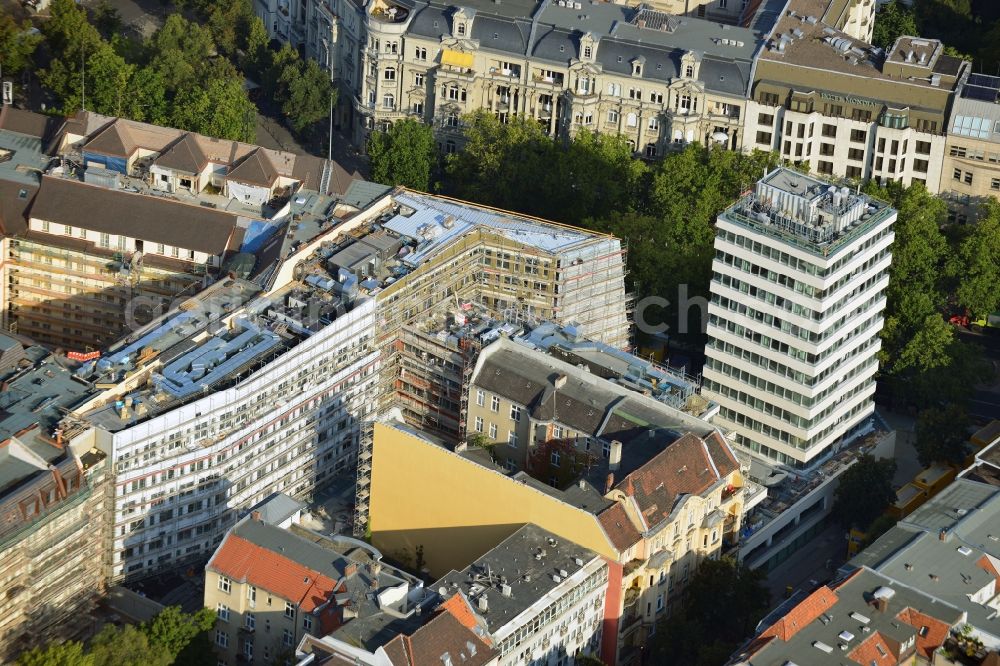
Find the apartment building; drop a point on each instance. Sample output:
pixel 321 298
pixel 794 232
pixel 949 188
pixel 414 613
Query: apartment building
pixel 864 619
pixel 542 598
pixel 970 172
pixel 833 103
pixel 947 549
pixel 798 288
pixel 166 210
pixel 658 79
pixel 460 505
pixel 453 634
pixel 53 501
pixel 273 584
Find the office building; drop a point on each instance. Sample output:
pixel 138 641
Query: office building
pixel 798 291
pixel 833 103
pixel 970 172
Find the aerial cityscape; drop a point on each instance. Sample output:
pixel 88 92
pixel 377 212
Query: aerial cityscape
pixel 500 332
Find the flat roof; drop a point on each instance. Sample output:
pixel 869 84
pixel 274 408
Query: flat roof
pixel 513 563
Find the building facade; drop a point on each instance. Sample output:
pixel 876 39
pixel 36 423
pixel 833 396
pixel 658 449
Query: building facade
pixel 798 291
pixel 833 103
pixel 970 172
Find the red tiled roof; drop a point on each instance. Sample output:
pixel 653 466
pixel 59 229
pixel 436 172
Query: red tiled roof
pixel 689 466
pixel 245 561
pixel 873 651
pixel 811 608
pixel 934 635
pixel 619 527
pixel 459 607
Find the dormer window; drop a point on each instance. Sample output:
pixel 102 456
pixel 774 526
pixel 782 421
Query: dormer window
pixel 588 52
pixel 689 71
pixel 636 69
pixel 461 30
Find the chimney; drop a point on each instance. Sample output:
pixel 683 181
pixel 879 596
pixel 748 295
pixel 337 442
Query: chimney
pixel 560 381
pixel 610 483
pixel 350 569
pixel 483 603
pixel 943 535
pixel 615 457
pixel 255 515
pixel 881 604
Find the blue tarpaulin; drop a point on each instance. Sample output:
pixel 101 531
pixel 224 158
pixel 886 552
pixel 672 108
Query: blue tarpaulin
pixel 257 233
pixel 111 163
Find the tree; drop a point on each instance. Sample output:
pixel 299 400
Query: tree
pixel 257 54
pixel 308 94
pixel 403 156
pixel 180 48
pixel 229 23
pixel 126 646
pixel 941 434
pixel 221 109
pixel 171 630
pixel 18 42
pixel 56 654
pixel 864 491
pixel 724 602
pixel 892 21
pixel 107 19
pixel 109 80
pixel 978 264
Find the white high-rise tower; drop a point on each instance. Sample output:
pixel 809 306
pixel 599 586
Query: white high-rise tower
pixel 798 294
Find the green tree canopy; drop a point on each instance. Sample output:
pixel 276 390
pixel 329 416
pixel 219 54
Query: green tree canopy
pixel 17 44
pixel 308 94
pixel 56 654
pixel 864 491
pixel 941 434
pixel 893 21
pixel 171 630
pixel 724 602
pixel 404 155
pixel 978 267
pixel 180 48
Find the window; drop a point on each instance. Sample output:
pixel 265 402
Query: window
pixel 924 147
pixel 494 404
pixel 287 638
pixel 512 439
pixel 765 119
pixel 252 595
pixel 829 131
pixel 418 78
pixel 853 172
pixel 613 117
pixel 479 424
pixel 863 115
pixel 480 397
pixel 554 459
pixel 461 30
pixel 631 120
pixel 390 74
pixel 826 149
pixel 689 71
pixel 968 178
pixel 250 620
pixel 977 128
pixel 307 622
pixel 654 123
pixel 655 97
pixel 225 584
pixel 615 89
pixel 764 138
pixel 515 412
pixel 768 99
pixel 956 174
pixel 418 108
pixel 493 431
pixel 221 638
pixel 222 610
pixel 389 101
pixel 858 136
pixel 248 649
pixel 606 450
pixel 588 51
pixel 105 238
pixel 920 165
pixel 855 154
pixel 289 609
pixel 421 53
pixel 995 184
pixel 650 150
pixel 825 167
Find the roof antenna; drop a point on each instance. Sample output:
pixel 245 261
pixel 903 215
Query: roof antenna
pixel 83 80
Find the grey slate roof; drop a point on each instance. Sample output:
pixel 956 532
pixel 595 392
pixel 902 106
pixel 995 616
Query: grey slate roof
pixel 543 30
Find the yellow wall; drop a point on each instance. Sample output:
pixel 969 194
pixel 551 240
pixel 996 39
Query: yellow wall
pixel 425 495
